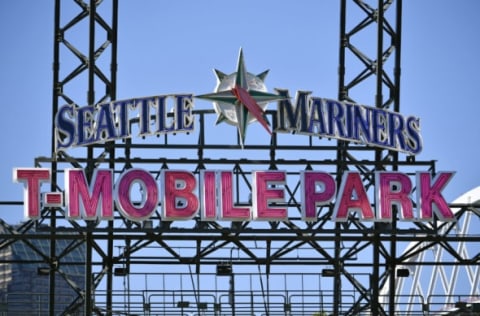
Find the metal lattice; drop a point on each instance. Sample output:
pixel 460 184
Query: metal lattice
pixel 290 267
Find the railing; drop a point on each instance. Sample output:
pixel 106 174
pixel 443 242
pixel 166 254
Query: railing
pixel 445 304
pixel 274 303
pixel 222 302
pixel 239 303
pixel 240 293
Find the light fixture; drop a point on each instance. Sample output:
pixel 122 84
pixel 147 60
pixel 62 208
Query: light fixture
pixel 328 273
pixel 120 271
pixel 183 304
pixel 43 271
pixel 224 268
pixel 403 273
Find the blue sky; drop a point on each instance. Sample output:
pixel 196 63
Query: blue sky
pixel 172 47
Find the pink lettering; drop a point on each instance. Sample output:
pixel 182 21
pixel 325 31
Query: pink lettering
pixel 179 201
pixel 318 188
pixel 32 179
pixel 143 209
pixel 84 201
pixel 429 196
pixel 137 195
pixel 352 198
pixel 208 195
pixel 264 193
pixel 229 211
pixel 393 189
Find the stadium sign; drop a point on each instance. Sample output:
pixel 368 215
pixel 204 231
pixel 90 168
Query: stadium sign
pixel 239 99
pixel 181 196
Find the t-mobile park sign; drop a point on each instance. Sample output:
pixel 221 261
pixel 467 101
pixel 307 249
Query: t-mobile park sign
pixel 239 99
pixel 180 195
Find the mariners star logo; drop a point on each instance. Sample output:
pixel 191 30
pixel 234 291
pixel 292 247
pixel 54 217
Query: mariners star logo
pixel 241 98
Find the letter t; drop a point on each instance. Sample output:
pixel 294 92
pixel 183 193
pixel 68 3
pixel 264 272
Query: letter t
pixel 31 178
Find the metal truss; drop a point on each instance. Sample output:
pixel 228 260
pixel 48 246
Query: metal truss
pixel 341 268
pixel 372 65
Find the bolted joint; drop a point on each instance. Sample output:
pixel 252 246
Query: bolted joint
pixel 59 36
pixel 54 263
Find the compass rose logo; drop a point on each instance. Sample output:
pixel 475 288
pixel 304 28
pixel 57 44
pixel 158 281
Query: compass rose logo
pixel 241 98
